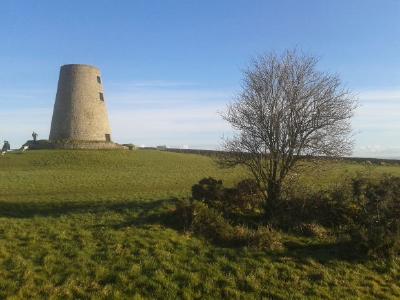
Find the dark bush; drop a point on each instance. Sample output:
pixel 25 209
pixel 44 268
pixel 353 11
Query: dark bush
pixel 210 224
pixel 249 196
pixel 207 222
pixel 312 230
pixel 246 196
pixel 208 190
pixel 376 230
pixel 366 209
pixel 197 217
pixel 183 214
pixel 327 208
pixel 263 238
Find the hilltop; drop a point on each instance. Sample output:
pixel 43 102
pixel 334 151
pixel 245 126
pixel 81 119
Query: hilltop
pixel 79 224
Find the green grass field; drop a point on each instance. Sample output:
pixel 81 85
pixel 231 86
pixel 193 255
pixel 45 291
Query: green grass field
pixel 86 224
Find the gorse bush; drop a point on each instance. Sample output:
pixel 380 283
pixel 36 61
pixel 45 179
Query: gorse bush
pixel 182 215
pixel 209 223
pixel 248 195
pixel 327 208
pixel 245 196
pixel 312 230
pixel 208 190
pixel 376 229
pixel 213 204
pixel 197 217
pixel 366 209
pixel 264 238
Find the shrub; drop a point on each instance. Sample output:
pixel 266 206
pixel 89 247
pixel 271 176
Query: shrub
pixel 183 214
pixel 376 230
pixel 210 224
pixel 312 230
pixel 208 190
pixel 262 238
pixel 338 207
pixel 326 208
pixel 246 196
pixel 265 238
pixel 366 208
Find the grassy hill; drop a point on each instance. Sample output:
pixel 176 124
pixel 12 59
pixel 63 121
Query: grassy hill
pixel 81 224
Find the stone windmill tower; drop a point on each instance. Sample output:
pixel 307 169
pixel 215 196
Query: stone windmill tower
pixel 80 115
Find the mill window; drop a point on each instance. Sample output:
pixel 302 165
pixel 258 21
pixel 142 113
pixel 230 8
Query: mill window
pixel 101 96
pixel 98 79
pixel 108 137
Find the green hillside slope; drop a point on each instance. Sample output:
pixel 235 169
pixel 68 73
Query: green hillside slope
pixel 86 224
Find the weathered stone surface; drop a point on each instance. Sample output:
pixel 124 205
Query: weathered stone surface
pixel 80 112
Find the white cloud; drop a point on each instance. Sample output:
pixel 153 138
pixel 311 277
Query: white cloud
pixel 167 122
pixel 179 113
pixel 378 151
pixel 171 115
pixel 376 112
pixel 380 95
pixel 377 124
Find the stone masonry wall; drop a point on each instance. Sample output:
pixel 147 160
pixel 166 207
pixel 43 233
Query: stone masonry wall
pixel 79 113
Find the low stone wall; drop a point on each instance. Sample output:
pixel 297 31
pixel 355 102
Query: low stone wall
pixel 373 161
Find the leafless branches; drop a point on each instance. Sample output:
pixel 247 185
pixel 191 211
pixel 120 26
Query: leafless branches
pixel 287 109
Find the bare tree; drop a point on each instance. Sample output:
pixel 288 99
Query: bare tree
pixel 287 109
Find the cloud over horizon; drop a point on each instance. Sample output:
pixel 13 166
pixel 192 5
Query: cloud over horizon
pixel 377 123
pixel 183 114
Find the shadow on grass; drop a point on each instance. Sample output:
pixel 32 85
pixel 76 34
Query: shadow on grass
pixel 323 252
pixel 29 209
pixel 158 212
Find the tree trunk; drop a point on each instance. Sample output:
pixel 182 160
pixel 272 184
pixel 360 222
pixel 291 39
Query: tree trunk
pixel 274 197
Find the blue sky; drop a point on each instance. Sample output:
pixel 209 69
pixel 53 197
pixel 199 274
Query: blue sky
pixel 169 66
